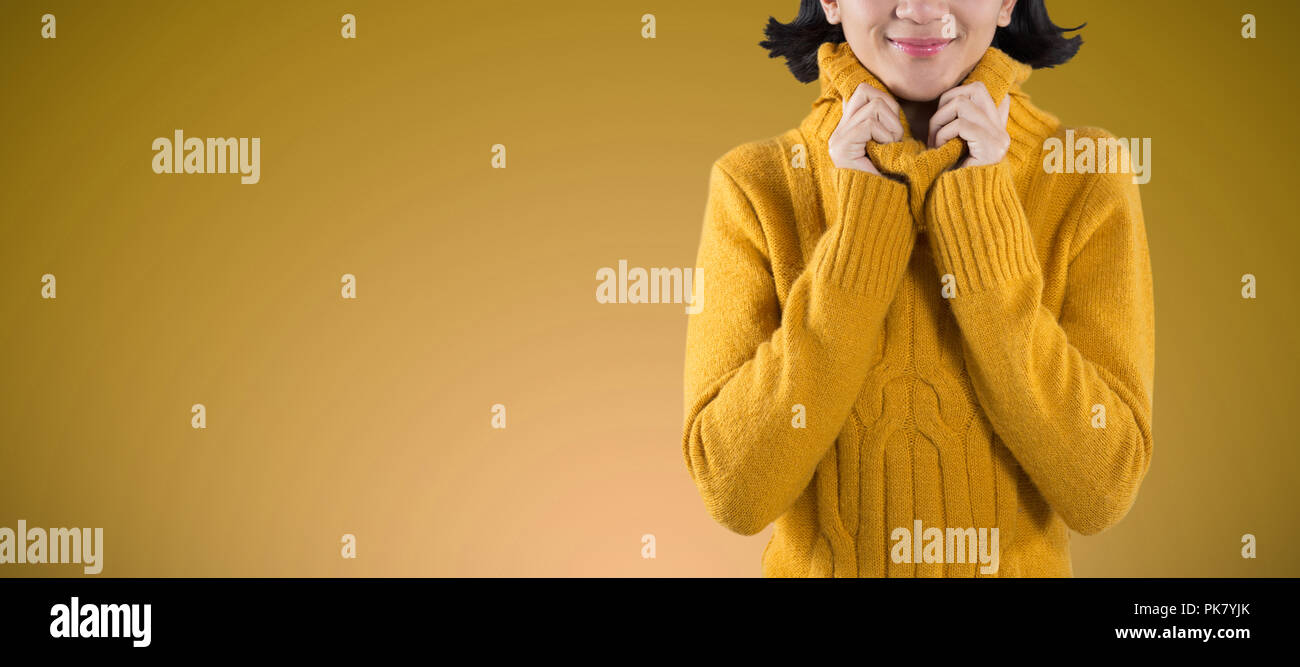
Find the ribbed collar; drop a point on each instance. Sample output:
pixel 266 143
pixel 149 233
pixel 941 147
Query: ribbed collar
pixel 842 72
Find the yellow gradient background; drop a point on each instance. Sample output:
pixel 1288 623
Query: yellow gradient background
pixel 477 285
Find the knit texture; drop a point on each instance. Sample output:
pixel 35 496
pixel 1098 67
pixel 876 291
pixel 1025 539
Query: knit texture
pixel 1019 397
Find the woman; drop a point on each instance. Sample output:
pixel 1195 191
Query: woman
pixel 926 352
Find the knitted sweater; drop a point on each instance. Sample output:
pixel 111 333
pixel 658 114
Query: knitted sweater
pixel 967 347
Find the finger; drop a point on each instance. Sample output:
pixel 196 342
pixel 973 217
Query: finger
pixel 853 155
pixel 957 128
pixel 878 111
pixel 865 113
pixel 889 118
pixel 958 91
pixel 881 134
pixel 984 102
pixel 977 93
pixel 1005 107
pixel 956 107
pixel 843 155
pixel 864 164
pixel 877 121
pixel 877 94
pixel 945 114
pixel 857 100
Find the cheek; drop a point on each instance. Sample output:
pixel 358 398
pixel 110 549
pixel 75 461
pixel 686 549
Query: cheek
pixel 981 27
pixel 972 54
pixel 866 18
pixel 978 39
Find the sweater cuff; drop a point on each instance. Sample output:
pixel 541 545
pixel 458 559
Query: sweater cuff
pixel 874 235
pixel 979 230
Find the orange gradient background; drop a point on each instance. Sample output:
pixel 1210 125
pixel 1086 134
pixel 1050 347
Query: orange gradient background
pixel 477 285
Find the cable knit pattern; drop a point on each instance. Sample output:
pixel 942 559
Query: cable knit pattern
pixel 972 348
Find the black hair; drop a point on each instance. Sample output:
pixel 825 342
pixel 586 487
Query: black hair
pixel 1031 38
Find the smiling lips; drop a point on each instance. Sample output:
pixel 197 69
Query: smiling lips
pixel 920 48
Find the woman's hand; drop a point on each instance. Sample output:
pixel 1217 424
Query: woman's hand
pixel 968 112
pixel 870 114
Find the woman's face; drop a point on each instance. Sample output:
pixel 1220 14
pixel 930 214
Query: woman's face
pixel 919 48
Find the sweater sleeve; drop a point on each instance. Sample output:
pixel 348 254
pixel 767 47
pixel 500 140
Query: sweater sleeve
pixel 749 362
pixel 1071 399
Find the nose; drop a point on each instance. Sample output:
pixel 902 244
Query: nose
pixel 921 11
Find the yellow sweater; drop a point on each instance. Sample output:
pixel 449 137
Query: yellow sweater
pixel 971 348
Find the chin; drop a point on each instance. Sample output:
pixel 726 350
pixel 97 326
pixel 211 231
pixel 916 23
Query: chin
pixel 918 93
pixel 922 82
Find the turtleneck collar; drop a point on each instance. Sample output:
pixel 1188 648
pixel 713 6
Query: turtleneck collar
pixel 842 72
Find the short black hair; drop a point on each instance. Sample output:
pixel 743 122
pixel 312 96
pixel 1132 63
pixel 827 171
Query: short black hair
pixel 1031 38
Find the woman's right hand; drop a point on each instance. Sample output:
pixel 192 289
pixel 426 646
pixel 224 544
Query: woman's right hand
pixel 870 114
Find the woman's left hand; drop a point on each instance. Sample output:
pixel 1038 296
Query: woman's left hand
pixel 968 112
